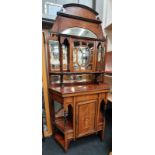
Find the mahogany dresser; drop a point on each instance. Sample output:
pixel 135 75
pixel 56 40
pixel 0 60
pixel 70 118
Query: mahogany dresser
pixel 76 50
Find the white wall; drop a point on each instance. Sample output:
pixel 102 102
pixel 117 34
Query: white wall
pixel 99 8
pixel 109 37
pixel 107 20
pixel 107 12
pixel 88 3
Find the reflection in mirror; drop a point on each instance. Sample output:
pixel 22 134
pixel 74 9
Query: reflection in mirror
pixel 54 55
pixel 77 31
pixel 100 57
pixel 55 78
pixel 82 56
pixel 65 48
pixel 77 78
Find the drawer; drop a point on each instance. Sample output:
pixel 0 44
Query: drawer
pixel 86 97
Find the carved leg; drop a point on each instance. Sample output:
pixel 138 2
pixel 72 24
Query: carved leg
pixel 66 146
pixel 67 142
pixel 101 134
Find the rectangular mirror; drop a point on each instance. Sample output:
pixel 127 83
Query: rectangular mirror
pixel 54 55
pixel 100 57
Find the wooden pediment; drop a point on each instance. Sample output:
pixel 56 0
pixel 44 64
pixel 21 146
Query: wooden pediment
pixel 77 15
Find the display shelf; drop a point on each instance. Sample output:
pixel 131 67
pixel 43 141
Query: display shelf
pixel 64 127
pixel 63 82
pixel 72 73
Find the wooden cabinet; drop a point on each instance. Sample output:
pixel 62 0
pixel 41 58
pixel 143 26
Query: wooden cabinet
pixel 76 66
pixel 86 113
pixel 81 113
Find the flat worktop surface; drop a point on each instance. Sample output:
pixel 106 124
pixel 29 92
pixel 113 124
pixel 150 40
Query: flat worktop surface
pixel 81 88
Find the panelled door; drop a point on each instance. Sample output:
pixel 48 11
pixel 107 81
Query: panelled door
pixel 85 119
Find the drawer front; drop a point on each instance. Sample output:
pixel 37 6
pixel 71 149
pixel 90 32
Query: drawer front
pixel 86 97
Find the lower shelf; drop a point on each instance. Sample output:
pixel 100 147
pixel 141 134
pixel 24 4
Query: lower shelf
pixel 64 127
pixel 59 138
pixel 64 141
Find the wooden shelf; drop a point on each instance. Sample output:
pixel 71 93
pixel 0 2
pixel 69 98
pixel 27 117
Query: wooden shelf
pixel 72 73
pixel 59 122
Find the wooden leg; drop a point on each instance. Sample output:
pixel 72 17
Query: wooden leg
pixel 67 142
pixel 101 134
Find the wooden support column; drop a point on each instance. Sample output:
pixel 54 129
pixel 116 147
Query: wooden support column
pixel 60 54
pixel 61 61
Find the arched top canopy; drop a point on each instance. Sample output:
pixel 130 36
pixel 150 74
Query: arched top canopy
pixel 75 19
pixel 81 6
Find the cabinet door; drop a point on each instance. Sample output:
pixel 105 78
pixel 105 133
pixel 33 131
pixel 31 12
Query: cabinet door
pixel 85 118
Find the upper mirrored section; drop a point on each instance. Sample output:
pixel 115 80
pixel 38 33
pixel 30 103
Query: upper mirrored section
pixel 54 55
pixel 77 31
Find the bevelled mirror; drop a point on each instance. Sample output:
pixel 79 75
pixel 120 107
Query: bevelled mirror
pixel 100 57
pixel 83 56
pixel 65 53
pixel 77 31
pixel 54 55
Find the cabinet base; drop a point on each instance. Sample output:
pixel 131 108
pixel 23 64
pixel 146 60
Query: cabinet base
pixel 64 142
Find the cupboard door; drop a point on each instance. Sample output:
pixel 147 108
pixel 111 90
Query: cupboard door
pixel 85 117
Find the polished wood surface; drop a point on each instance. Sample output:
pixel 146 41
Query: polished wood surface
pixel 81 88
pixel 45 91
pixel 87 116
pixel 63 23
pixel 80 10
pixel 68 22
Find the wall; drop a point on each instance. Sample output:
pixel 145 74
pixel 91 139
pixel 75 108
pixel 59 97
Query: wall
pixel 54 10
pixel 104 8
